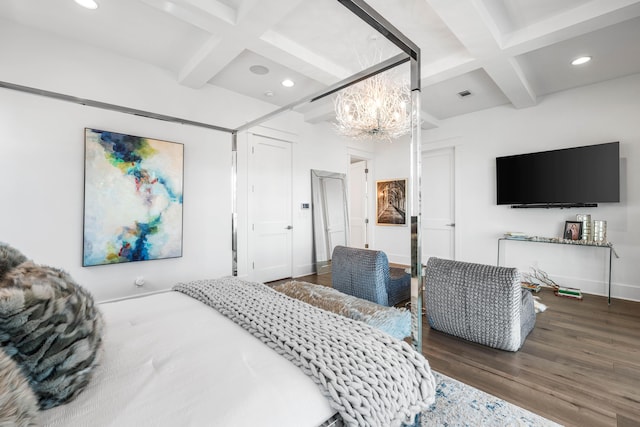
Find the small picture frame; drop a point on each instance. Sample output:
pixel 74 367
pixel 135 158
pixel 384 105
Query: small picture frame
pixel 572 230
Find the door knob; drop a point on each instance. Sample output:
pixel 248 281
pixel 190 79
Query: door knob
pixel 288 227
pixel 453 224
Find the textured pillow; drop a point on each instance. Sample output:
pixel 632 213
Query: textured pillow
pixel 9 259
pixel 50 326
pixel 394 321
pixel 18 404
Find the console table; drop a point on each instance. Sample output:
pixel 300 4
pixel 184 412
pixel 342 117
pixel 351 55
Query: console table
pixel 558 241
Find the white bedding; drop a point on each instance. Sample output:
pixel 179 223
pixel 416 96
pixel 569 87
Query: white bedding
pixel 169 360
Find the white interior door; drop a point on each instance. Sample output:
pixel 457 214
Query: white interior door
pixel 438 207
pixel 270 228
pixel 358 204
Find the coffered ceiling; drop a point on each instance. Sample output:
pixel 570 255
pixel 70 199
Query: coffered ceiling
pixel 501 51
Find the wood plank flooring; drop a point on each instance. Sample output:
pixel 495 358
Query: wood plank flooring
pixel 580 366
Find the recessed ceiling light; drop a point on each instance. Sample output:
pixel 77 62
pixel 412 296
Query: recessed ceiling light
pixel 89 4
pixel 581 60
pixel 259 69
pixel 269 93
pixel 288 83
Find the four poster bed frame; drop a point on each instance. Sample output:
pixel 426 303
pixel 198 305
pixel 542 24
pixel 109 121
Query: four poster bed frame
pixel 128 388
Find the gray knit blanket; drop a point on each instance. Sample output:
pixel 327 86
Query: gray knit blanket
pixel 369 377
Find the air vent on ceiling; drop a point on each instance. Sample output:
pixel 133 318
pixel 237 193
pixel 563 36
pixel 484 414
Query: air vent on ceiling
pixel 464 93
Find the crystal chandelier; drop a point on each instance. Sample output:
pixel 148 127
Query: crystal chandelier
pixel 376 108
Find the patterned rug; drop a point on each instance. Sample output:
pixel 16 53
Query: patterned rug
pixel 459 404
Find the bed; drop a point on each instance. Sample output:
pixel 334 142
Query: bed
pixel 170 351
pixel 222 352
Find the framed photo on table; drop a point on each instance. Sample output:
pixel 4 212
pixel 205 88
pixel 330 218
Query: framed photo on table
pixel 572 230
pixel 391 202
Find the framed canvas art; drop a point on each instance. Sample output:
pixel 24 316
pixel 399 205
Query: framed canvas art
pixel 391 202
pixel 132 198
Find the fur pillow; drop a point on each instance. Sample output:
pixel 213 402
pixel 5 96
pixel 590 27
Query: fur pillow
pixel 50 326
pixel 9 258
pixel 18 404
pixel 394 321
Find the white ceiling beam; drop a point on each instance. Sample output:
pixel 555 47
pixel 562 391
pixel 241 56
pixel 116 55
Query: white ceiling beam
pixel 186 12
pixel 589 17
pixel 323 112
pixel 199 67
pixel 231 31
pixel 471 22
pixel 428 121
pixel 510 78
pixel 253 24
pixel 214 8
pixel 301 59
pixel 447 68
pixel 289 60
pixel 245 7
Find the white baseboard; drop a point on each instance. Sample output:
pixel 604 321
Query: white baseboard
pixel 304 270
pixel 593 287
pixel 624 291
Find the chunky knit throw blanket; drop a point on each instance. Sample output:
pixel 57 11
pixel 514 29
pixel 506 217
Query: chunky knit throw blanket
pixel 369 377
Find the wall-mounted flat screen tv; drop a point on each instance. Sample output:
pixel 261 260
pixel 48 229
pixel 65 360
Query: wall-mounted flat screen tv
pixel 579 176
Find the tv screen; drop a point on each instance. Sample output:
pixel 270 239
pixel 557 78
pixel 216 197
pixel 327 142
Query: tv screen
pixel 571 176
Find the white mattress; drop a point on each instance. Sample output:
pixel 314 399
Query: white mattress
pixel 170 360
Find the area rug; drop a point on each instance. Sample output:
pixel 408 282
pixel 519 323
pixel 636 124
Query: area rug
pixel 459 404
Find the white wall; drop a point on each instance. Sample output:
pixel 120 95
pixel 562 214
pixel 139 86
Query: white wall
pixel 319 148
pixel 41 166
pixel 42 157
pixel 41 181
pixel 315 147
pixel 392 161
pixel 43 190
pixel 588 115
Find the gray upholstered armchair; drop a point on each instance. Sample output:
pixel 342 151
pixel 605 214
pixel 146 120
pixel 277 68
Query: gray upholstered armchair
pixel 365 273
pixel 477 302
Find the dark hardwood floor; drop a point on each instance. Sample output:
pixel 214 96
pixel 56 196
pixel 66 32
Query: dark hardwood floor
pixel 580 366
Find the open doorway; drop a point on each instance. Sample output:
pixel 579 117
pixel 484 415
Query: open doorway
pixel 358 202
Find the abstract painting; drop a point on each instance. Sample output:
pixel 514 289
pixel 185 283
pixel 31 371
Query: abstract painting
pixel 132 198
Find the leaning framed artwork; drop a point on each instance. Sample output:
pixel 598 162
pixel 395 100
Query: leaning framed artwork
pixel 132 198
pixel 391 202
